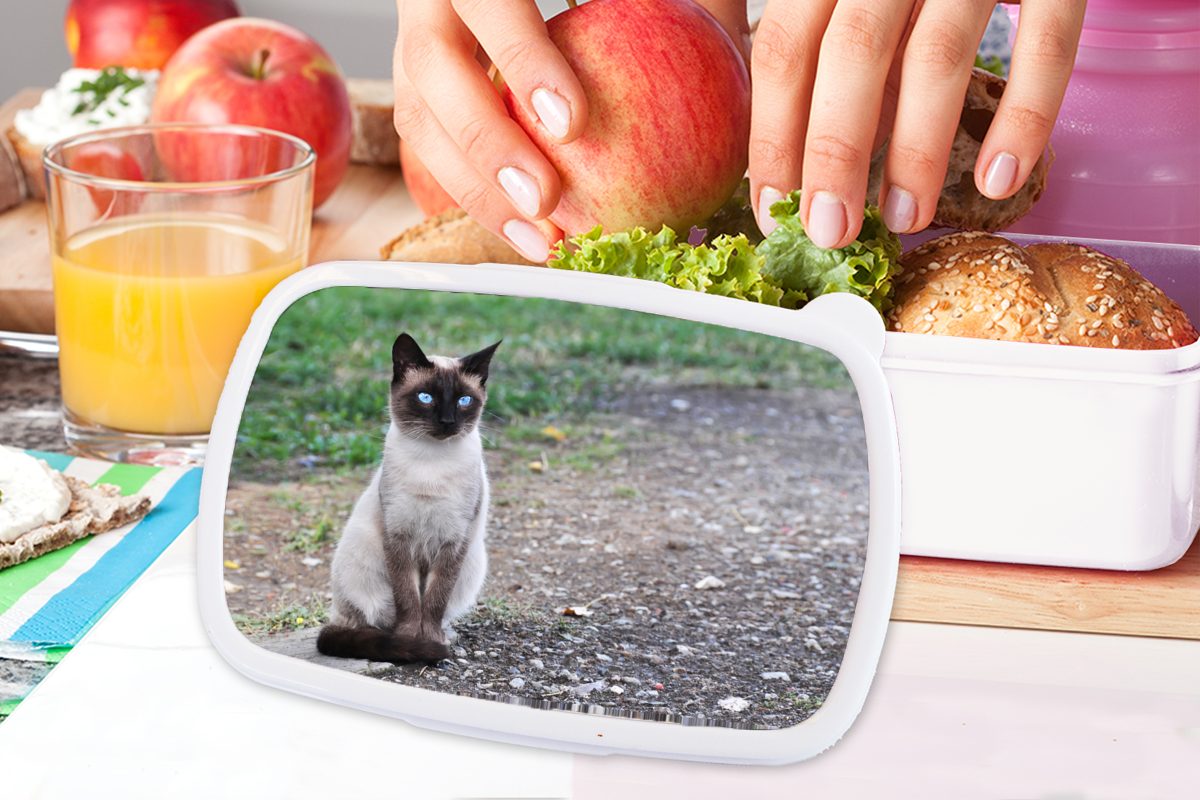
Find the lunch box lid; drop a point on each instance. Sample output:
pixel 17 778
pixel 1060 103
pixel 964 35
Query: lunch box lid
pixel 846 326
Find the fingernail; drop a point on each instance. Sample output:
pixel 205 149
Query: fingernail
pixel 553 111
pixel 522 189
pixel 767 197
pixel 528 240
pixel 826 219
pixel 1001 175
pixel 899 210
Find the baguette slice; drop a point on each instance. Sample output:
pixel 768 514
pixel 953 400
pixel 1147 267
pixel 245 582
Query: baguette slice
pixel 960 205
pixel 93 510
pixel 29 155
pixel 12 176
pixel 451 238
pixel 375 140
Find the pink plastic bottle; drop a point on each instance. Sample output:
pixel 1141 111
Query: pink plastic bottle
pixel 1127 142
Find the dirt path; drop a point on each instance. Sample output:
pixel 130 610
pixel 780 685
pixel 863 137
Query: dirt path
pixel 759 496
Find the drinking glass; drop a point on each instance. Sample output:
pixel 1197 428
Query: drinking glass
pixel 164 238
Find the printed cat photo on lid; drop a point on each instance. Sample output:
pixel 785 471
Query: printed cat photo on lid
pixel 412 556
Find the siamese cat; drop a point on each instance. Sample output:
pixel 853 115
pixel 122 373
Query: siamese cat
pixel 411 558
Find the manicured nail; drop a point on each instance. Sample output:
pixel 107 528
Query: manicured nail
pixel 899 210
pixel 1001 175
pixel 528 240
pixel 826 219
pixel 553 111
pixel 522 189
pixel 767 197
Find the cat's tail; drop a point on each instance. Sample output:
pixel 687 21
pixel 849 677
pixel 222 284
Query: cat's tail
pixel 376 644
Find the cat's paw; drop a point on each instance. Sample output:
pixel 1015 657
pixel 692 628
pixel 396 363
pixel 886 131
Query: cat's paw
pixel 435 634
pixel 410 630
pixel 450 635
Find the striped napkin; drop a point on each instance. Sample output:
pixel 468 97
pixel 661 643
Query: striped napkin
pixel 48 603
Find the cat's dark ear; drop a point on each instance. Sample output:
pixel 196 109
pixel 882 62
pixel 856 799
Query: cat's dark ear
pixel 477 363
pixel 406 355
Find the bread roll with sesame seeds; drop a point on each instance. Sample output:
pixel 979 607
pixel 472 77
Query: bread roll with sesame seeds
pixel 982 286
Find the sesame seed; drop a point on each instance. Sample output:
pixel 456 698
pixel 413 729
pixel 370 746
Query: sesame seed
pixel 1063 339
pixel 1005 304
pixel 1158 323
pixel 1116 340
pixel 1097 323
pixel 1092 332
pixel 927 327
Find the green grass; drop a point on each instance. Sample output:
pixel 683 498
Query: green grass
pixel 289 618
pixel 321 389
pixel 506 612
pixel 311 539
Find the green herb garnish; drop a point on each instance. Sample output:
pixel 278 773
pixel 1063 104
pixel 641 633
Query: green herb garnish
pixel 112 79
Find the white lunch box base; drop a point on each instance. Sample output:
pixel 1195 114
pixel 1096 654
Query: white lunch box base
pixel 1038 454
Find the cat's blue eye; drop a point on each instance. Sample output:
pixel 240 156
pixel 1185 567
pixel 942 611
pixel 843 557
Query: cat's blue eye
pixel 465 401
pixel 424 398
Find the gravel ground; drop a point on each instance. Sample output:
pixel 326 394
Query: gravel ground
pixel 712 541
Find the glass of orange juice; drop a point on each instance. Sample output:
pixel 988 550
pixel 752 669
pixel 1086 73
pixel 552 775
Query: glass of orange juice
pixel 164 238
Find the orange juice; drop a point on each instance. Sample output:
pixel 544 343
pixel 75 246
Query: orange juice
pixel 149 311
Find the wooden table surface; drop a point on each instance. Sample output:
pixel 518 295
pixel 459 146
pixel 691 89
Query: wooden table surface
pixel 372 206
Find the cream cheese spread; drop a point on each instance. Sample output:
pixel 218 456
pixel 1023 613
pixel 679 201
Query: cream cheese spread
pixel 88 100
pixel 31 494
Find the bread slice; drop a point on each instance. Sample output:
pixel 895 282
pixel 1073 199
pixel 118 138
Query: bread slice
pixel 93 510
pixel 451 238
pixel 960 204
pixel 29 155
pixel 985 287
pixel 12 176
pixel 375 139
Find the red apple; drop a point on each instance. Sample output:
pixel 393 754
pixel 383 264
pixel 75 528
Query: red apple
pixel 428 194
pixel 258 72
pixel 107 160
pixel 668 115
pixel 137 33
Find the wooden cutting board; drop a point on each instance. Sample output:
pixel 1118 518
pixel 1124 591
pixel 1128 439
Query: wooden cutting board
pixel 1163 602
pixel 366 212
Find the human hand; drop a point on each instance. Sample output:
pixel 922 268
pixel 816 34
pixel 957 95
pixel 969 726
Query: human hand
pixel 833 78
pixel 449 112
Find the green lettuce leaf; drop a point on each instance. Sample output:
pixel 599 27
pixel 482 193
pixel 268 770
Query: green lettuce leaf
pixel 864 267
pixel 726 266
pixel 992 64
pixel 786 269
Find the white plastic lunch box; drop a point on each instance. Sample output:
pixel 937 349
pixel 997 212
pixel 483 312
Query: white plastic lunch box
pixel 1037 454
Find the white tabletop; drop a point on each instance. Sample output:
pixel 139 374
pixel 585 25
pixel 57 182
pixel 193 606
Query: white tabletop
pixel 144 707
